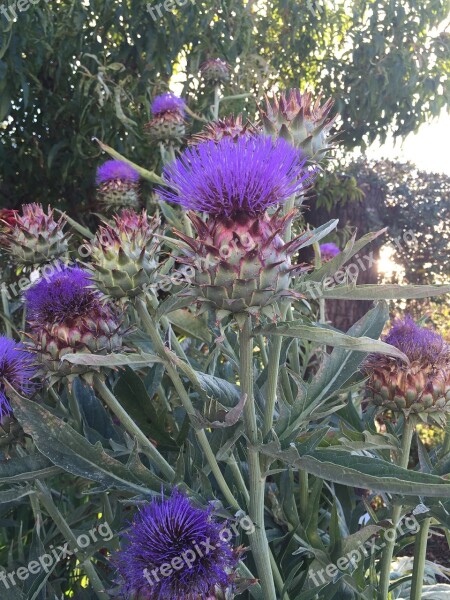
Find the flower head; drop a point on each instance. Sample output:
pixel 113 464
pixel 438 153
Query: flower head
pixel 17 368
pixel 418 343
pixel 231 127
pixel 215 71
pixel 33 237
pixel 179 543
pixel 116 169
pixel 68 315
pixel 125 254
pixel 328 251
pixel 420 387
pixel 168 102
pixel 299 119
pixel 228 177
pixel 66 294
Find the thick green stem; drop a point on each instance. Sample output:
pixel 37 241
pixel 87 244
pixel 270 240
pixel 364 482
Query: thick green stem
pixel 258 540
pixel 420 553
pixel 202 438
pixel 272 382
pixel 47 501
pixel 216 105
pixel 388 552
pixel 146 445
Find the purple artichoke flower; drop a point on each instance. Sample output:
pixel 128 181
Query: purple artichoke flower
pixel 114 170
pixel 230 177
pixel 67 314
pixel 65 294
pixel 168 102
pixel 17 368
pixel 329 251
pixel 418 343
pixel 420 387
pixel 175 550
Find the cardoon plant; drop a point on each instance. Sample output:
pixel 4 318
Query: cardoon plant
pixel 241 263
pixel 33 237
pixel 421 387
pixel 215 71
pixel 175 550
pixel 168 123
pixel 417 390
pixel 228 127
pixel 328 251
pixel 124 254
pixel 118 186
pixel 66 315
pixel 295 117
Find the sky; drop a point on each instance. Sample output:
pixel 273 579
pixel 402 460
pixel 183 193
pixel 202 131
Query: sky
pixel 429 148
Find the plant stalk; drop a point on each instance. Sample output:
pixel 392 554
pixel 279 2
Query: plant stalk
pixel 420 553
pixel 131 427
pixel 258 540
pixel 202 438
pixel 388 553
pixel 46 499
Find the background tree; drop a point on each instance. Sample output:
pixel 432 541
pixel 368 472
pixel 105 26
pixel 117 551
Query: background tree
pixel 71 71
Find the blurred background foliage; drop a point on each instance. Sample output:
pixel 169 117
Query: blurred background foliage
pixel 72 70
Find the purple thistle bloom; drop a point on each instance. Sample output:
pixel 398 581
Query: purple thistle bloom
pixel 171 532
pixel 17 368
pixel 329 251
pixel 116 169
pixel 231 177
pixel 168 102
pixel 65 294
pixel 418 343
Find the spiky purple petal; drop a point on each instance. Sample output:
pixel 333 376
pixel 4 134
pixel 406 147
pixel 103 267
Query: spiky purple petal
pixel 17 368
pixel 168 102
pixel 160 533
pixel 418 343
pixel 116 169
pixel 65 294
pixel 230 177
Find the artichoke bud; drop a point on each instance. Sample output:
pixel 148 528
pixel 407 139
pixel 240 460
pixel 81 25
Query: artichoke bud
pixel 230 127
pixel 124 255
pixel 240 264
pixel 35 238
pixel 215 71
pixel 300 121
pixel 168 124
pixel 118 186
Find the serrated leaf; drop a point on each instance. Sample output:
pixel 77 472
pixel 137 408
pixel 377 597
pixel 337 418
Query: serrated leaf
pixel 361 471
pixel 113 360
pixel 330 337
pixel 384 292
pixel 72 452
